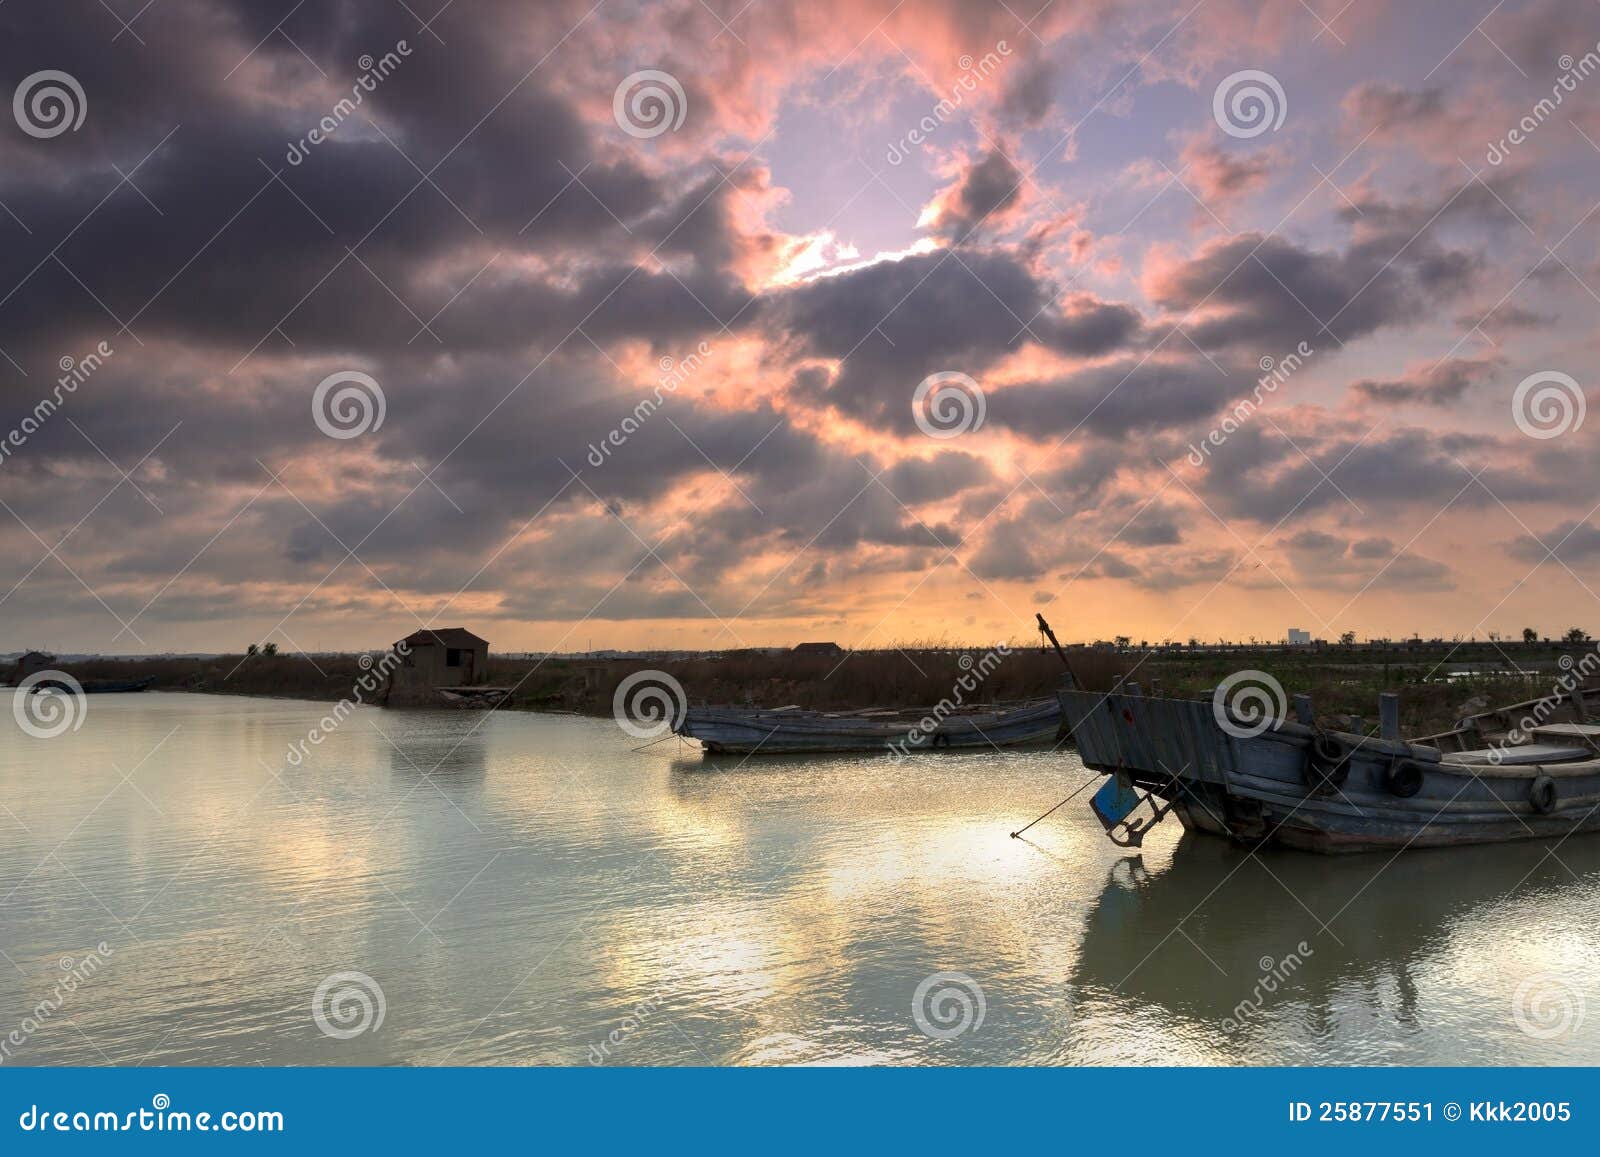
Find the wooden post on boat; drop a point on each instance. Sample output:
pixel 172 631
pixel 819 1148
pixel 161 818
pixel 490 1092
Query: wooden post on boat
pixel 1388 715
pixel 1044 629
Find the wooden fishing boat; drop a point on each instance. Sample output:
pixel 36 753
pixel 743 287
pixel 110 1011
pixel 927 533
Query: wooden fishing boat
pixel 792 730
pixel 1526 771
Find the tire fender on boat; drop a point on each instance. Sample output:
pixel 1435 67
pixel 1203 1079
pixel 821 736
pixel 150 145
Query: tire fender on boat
pixel 1543 796
pixel 1404 778
pixel 1327 763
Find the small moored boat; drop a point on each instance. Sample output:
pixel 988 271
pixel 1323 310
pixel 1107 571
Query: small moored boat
pixel 95 686
pixel 790 729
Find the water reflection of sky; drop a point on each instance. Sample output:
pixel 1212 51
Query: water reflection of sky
pixel 532 888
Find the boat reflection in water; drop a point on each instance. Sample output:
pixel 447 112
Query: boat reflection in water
pixel 1232 956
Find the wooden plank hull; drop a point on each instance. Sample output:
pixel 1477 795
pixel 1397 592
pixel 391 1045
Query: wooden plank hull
pixel 725 729
pixel 1271 788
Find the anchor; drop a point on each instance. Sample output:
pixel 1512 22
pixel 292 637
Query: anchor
pixel 1116 800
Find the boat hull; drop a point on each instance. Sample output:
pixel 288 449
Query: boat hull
pixel 1273 788
pixel 733 731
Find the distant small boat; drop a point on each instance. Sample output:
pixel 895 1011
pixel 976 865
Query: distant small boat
pixel 1522 772
pixel 793 730
pixel 98 686
pixel 40 665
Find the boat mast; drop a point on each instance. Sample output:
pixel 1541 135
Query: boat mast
pixel 1044 629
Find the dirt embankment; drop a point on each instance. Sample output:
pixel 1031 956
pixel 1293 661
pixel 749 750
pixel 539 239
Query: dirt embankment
pixel 910 678
pixel 1342 682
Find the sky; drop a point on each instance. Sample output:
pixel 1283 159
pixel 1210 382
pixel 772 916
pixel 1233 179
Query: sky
pixel 718 323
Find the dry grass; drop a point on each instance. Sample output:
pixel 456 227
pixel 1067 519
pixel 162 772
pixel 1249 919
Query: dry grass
pixel 282 676
pixel 914 676
pixel 911 677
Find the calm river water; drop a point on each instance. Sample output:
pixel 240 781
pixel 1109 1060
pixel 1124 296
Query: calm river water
pixel 525 889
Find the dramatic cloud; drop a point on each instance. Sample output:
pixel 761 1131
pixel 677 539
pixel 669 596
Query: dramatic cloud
pixel 651 382
pixel 1439 384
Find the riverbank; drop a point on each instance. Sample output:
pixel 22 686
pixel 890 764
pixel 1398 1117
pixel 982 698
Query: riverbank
pixel 1437 683
pixel 909 678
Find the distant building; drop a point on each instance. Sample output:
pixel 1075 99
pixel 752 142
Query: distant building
pixel 818 649
pixel 448 657
pixel 1299 638
pixel 31 663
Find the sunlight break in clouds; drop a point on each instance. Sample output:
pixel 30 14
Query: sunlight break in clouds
pixel 544 211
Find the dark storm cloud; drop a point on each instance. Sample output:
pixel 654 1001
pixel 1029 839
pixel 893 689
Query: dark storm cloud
pixel 1114 398
pixel 985 192
pixel 1572 542
pixel 1153 526
pixel 918 480
pixel 1269 293
pixel 222 253
pixel 1327 561
pixel 896 322
pixel 1384 469
pixel 1259 292
pixel 1506 316
pixel 228 261
pixel 1437 385
pixel 1028 93
pixel 1387 106
pixel 1011 550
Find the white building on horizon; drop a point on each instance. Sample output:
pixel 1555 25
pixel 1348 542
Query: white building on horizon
pixel 1299 638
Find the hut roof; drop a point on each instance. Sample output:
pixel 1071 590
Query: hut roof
pixel 458 637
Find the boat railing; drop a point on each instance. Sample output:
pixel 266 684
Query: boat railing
pixel 1581 705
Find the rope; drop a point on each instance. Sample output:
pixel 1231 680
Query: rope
pixel 653 742
pixel 1017 834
